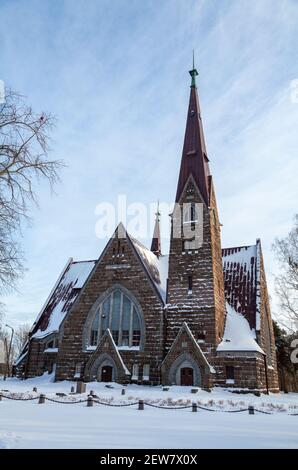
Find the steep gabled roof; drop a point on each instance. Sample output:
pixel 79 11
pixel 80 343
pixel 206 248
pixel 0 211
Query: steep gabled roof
pixel 62 297
pixel 185 329
pixel 241 277
pixel 194 159
pixel 157 268
pixel 73 278
pixel 238 335
pixel 107 336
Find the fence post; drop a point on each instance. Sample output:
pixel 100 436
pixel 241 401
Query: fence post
pixel 194 407
pixel 251 410
pixel 72 389
pixel 42 399
pixel 34 389
pixel 141 404
pixel 81 387
pixel 0 396
pixel 90 400
pixel 123 392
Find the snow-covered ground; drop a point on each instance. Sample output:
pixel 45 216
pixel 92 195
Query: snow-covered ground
pixel 26 424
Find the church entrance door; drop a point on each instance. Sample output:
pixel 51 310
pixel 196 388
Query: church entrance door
pixel 186 376
pixel 106 374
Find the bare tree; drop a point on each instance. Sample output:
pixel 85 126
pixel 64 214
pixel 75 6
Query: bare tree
pixel 286 282
pixel 21 335
pixel 2 310
pixel 24 157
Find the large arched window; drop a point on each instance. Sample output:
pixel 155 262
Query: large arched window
pixel 120 314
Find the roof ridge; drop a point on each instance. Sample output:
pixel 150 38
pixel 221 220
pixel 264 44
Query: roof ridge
pixel 138 241
pixel 237 247
pixel 85 261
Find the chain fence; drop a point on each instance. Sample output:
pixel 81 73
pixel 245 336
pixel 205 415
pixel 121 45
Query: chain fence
pixel 119 405
pixel 223 411
pixel 90 400
pixel 18 398
pixel 168 407
pixel 69 402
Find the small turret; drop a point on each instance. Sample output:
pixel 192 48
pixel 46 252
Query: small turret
pixel 156 245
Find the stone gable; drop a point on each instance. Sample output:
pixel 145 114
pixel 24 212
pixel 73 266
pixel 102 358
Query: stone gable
pixel 119 265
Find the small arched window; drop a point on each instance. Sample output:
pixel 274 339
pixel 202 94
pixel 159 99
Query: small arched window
pixel 120 314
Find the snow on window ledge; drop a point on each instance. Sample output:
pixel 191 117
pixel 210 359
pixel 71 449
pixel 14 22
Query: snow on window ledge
pixel 77 376
pixel 51 350
pixel 146 378
pixel 230 381
pixel 120 348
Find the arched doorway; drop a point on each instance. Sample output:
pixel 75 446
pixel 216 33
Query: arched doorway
pixel 106 373
pixel 186 376
pixel 185 371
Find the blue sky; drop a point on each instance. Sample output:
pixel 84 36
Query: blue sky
pixel 115 73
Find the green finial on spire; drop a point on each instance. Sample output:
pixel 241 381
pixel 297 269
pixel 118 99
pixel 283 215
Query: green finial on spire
pixel 193 73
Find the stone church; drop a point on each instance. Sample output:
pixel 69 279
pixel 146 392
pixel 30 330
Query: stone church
pixel 199 316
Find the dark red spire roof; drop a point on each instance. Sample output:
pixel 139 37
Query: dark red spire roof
pixel 156 245
pixel 194 156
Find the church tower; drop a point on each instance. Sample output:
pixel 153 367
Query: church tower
pixel 195 295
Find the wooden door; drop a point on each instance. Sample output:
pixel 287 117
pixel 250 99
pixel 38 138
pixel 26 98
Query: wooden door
pixel 187 376
pixel 106 374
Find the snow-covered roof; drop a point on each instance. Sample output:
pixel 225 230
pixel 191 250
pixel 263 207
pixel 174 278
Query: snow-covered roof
pixel 240 268
pixel 20 358
pixel 62 298
pixel 238 335
pixel 157 268
pixel 240 254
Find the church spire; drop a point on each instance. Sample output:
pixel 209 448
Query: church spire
pixel 193 73
pixel 156 245
pixel 194 156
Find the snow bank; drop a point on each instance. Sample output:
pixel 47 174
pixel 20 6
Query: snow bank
pixel 28 425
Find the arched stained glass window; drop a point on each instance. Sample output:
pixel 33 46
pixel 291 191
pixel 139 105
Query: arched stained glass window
pixel 94 331
pixel 136 333
pixel 120 314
